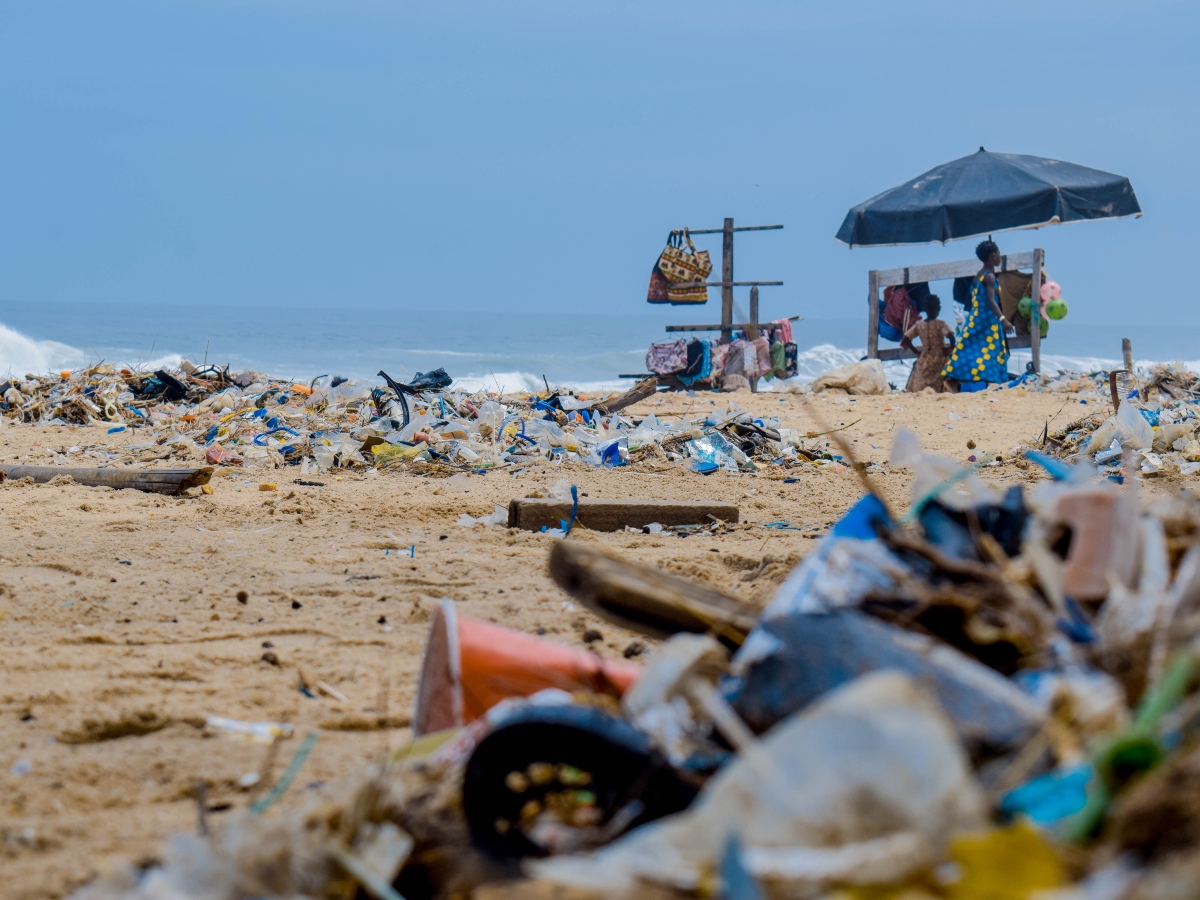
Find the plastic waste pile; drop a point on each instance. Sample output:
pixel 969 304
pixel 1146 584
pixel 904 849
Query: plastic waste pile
pixel 983 695
pixel 1153 429
pixel 247 419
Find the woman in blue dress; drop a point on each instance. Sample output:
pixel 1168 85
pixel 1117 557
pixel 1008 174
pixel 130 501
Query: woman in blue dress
pixel 980 353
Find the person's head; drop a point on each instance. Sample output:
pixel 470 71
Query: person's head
pixel 933 307
pixel 988 253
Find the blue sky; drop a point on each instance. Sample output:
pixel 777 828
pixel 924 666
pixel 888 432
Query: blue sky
pixel 533 155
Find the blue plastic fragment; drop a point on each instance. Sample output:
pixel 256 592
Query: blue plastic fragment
pixel 863 519
pixel 704 468
pixel 1058 469
pixel 790 480
pixel 116 429
pixel 1050 798
pixel 1150 415
pixel 1078 628
pixel 1117 479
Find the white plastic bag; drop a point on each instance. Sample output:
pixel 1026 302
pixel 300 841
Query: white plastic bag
pixel 864 377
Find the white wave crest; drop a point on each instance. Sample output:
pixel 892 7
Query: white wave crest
pixel 21 355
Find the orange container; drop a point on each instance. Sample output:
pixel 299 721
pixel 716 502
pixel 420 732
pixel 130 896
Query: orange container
pixel 470 666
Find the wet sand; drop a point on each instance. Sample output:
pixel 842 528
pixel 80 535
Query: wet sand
pixel 122 630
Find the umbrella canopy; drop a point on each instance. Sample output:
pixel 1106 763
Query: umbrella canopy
pixel 984 193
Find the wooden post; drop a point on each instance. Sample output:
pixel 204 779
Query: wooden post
pixel 1035 327
pixel 752 333
pixel 873 314
pixel 727 280
pixel 1127 353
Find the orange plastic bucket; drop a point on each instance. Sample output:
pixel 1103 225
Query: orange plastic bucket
pixel 470 666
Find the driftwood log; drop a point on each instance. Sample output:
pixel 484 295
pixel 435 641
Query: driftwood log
pixel 531 513
pixel 644 599
pixel 640 391
pixel 157 481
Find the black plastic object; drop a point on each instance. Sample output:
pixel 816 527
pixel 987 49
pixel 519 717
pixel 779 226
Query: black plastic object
pixel 437 380
pixel 984 193
pixel 627 776
pixel 174 389
pixel 950 530
pixel 811 655
pixel 398 390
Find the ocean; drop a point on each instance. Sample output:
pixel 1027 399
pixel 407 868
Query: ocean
pixel 511 351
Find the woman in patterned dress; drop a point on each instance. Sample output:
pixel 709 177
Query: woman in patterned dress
pixel 980 354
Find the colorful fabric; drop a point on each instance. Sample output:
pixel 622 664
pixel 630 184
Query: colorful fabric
pixel 981 352
pixel 784 327
pixel 791 356
pixel 762 349
pixel 657 292
pixel 684 264
pixel 705 368
pixel 667 357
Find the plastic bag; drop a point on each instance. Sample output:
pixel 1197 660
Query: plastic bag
pixel 865 377
pixel 1134 429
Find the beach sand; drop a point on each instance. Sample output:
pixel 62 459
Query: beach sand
pixel 122 631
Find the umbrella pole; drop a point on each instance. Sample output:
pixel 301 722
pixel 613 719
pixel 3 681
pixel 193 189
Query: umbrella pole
pixel 1035 331
pixel 873 314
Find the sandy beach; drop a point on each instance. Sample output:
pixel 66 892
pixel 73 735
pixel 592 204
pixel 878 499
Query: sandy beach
pixel 123 630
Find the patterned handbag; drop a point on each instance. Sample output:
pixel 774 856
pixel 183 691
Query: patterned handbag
pixel 659 287
pixel 684 264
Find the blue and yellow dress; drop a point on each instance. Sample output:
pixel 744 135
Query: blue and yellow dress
pixel 981 351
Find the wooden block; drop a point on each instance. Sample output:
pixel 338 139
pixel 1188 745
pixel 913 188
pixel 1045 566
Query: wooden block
pixel 531 513
pixel 645 599
pixel 158 481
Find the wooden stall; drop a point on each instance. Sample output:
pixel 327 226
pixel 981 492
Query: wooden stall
pixel 726 326
pixel 878 279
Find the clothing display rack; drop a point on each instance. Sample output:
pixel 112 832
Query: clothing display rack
pixel 877 279
pixel 727 284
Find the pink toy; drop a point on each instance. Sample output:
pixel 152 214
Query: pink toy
pixel 1050 291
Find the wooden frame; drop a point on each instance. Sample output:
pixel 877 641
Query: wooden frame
pixel 877 279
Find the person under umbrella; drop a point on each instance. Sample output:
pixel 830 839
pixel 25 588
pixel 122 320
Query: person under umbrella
pixel 980 354
pixel 937 340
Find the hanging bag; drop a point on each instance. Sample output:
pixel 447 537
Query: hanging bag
pixel 685 265
pixel 659 285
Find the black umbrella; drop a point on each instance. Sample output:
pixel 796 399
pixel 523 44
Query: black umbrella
pixel 984 193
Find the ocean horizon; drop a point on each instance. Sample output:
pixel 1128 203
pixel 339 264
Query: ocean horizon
pixel 507 351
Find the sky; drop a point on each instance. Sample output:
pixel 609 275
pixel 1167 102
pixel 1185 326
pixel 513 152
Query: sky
pixel 532 156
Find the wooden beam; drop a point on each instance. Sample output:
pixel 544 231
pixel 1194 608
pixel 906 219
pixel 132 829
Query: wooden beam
pixel 727 280
pixel 531 513
pixel 742 228
pixel 157 481
pixel 762 326
pixel 1015 342
pixel 941 271
pixel 645 599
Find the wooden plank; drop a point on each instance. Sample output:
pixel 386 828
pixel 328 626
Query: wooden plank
pixel 873 314
pixel 762 326
pixel 683 284
pixel 741 228
pixel 640 391
pixel 1035 329
pixel 727 279
pixel 1015 342
pixel 646 599
pixel 157 481
pixel 531 513
pixel 959 269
